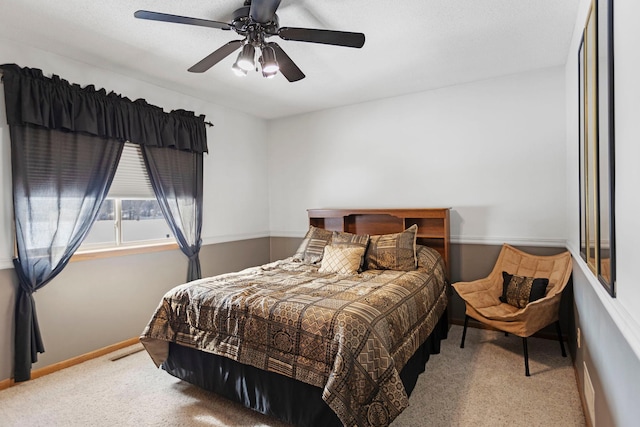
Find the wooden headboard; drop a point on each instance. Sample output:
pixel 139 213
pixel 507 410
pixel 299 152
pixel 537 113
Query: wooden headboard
pixel 433 224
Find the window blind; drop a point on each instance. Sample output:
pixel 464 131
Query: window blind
pixel 131 180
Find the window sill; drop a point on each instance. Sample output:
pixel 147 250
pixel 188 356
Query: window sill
pixel 122 251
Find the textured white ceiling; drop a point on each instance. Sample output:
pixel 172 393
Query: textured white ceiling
pixel 411 45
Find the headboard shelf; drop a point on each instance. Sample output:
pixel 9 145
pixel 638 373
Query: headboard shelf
pixel 433 224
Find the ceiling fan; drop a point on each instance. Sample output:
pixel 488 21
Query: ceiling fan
pixel 256 21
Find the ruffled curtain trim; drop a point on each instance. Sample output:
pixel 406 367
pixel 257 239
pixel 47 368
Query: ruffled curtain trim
pixel 54 103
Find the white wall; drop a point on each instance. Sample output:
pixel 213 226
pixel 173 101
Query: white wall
pixel 627 104
pixel 611 326
pixel 492 150
pixel 235 170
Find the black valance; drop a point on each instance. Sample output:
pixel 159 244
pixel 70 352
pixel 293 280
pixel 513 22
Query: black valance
pixel 54 103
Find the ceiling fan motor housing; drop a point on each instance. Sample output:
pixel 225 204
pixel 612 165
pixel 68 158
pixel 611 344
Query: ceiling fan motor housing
pixel 255 31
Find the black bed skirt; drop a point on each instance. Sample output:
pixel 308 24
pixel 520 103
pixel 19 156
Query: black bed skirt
pixel 273 394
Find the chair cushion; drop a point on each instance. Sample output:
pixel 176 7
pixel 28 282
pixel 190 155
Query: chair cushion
pixel 519 291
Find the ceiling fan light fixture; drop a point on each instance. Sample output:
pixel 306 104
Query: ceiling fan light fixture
pixel 269 62
pixel 238 71
pixel 269 75
pixel 246 58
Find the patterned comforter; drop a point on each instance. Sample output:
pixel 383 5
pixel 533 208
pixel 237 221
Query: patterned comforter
pixel 348 334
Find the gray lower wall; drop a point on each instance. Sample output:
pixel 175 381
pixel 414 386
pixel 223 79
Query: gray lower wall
pixel 582 357
pixel 95 303
pixel 283 247
pixel 613 366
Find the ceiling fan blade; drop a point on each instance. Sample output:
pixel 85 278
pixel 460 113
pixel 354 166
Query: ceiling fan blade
pixel 216 56
pixel 165 17
pixel 337 38
pixel 287 67
pixel 262 11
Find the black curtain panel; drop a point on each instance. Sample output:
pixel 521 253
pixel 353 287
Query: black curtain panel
pixel 66 142
pixel 176 178
pixel 59 181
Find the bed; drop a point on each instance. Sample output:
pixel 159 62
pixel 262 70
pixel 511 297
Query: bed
pixel 336 334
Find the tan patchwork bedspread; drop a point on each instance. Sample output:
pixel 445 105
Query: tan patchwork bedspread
pixel 350 335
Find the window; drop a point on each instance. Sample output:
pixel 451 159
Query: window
pixel 130 215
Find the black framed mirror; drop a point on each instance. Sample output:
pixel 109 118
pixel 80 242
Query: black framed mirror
pixel 596 144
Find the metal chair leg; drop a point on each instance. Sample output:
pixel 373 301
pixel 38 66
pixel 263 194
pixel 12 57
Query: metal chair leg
pixel 526 356
pixel 464 331
pixel 564 354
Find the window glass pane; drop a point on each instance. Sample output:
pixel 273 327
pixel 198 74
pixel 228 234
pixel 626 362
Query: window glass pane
pixel 103 229
pixel 143 220
pixel 130 214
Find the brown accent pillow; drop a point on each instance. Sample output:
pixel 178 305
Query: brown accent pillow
pixel 427 257
pixel 393 251
pixel 341 259
pixel 311 248
pixel 349 239
pixel 519 291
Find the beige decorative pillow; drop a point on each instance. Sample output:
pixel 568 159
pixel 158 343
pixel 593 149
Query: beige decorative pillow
pixel 344 239
pixel 393 251
pixel 341 259
pixel 310 250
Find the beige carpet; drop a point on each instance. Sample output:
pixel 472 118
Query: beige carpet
pixel 480 385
